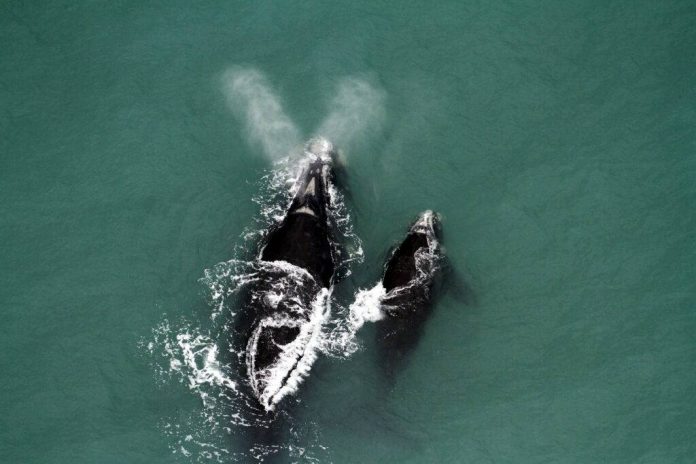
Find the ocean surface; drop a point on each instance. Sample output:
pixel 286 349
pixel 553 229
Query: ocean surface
pixel 556 139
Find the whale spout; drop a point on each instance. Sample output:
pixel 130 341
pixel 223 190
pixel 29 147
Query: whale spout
pixel 321 148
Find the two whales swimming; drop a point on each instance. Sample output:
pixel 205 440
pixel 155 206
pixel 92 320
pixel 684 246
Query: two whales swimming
pixel 299 255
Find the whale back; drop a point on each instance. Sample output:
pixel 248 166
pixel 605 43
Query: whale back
pixel 401 267
pixel 304 236
pixel 302 240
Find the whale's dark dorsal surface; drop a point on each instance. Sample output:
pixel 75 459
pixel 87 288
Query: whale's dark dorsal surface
pixel 409 271
pixel 289 302
pixel 303 238
pixel 408 284
pixel 401 268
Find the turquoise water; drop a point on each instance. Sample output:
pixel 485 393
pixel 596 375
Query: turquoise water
pixel 556 140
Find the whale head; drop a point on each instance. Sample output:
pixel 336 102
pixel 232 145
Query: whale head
pixel 428 224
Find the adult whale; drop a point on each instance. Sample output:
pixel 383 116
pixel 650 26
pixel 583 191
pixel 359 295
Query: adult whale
pixel 289 301
pixel 304 237
pixel 408 281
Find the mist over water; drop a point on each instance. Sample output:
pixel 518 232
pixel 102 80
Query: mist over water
pixel 356 110
pixel 341 340
pixel 251 98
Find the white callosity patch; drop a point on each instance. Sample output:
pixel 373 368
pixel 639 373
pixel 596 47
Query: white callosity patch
pixel 304 210
pixel 426 224
pixel 311 188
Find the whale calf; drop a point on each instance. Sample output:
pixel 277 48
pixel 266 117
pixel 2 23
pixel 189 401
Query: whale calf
pixel 408 281
pixel 289 301
pixel 409 271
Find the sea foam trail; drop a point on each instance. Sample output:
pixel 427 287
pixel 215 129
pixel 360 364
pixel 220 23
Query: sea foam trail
pixel 251 98
pixel 341 340
pixel 357 107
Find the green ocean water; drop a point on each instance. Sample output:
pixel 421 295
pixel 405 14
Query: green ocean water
pixel 556 139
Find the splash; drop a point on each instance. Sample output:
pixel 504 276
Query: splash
pixel 341 340
pixel 357 108
pixel 250 96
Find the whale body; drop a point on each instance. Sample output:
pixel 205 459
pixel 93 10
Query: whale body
pixel 289 301
pixel 409 271
pixel 408 281
pixel 304 238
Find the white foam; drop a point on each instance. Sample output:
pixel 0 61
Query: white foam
pixel 366 307
pixel 341 340
pixel 346 235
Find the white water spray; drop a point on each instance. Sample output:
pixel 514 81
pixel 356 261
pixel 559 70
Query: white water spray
pixel 250 96
pixel 342 341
